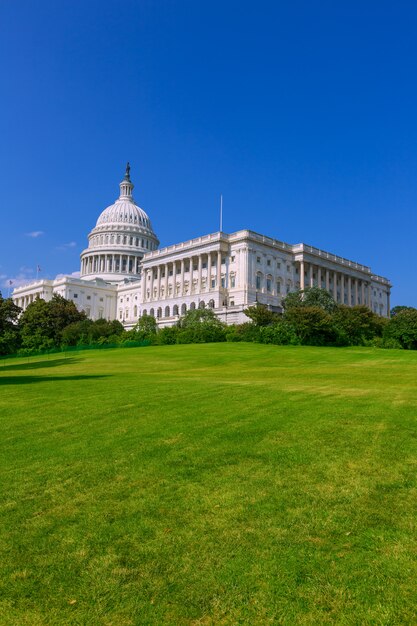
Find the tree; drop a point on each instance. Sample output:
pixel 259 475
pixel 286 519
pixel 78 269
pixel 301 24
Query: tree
pixel 313 325
pixel 403 328
pixel 200 326
pixel 261 315
pixel 357 324
pixel 9 330
pixel 310 297
pixel 42 324
pixel 86 332
pixel 399 308
pixel 146 325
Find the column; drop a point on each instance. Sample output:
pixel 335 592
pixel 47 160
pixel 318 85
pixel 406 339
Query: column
pixel 208 270
pixel 335 286
pixel 311 275
pixel 356 292
pixel 388 304
pixel 158 282
pixel 200 271
pixel 369 296
pixel 302 275
pixel 362 292
pixel 349 291
pixel 319 277
pixel 120 263
pixel 166 280
pixel 151 287
pixel 342 288
pixel 182 277
pixel 219 269
pixel 327 280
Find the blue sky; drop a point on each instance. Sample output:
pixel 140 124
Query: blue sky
pixel 302 114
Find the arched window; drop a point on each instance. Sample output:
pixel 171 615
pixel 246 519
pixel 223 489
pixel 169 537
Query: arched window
pixel 183 309
pixel 167 311
pixel 211 304
pixel 144 312
pixel 152 313
pixel 192 306
pixel 135 311
pixel 159 313
pixel 175 310
pixel 202 304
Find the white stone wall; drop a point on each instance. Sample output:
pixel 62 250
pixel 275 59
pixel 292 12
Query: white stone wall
pixel 224 272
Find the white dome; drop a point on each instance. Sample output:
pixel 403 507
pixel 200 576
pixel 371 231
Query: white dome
pixel 124 211
pixel 122 235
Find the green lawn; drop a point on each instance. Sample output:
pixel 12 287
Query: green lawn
pixel 209 484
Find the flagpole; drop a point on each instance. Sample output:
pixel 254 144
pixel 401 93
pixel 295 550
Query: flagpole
pixel 221 212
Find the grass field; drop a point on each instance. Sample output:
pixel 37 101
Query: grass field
pixel 209 484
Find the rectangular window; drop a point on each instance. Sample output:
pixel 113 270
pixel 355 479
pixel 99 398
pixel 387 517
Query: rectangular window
pixel 268 284
pixel 258 259
pixel 88 297
pixel 279 265
pixel 223 260
pixel 232 282
pixel 204 266
pixel 258 282
pixel 288 268
pixel 223 282
pixel 213 282
pixel 278 287
pixel 75 295
pixel 232 259
pixel 268 262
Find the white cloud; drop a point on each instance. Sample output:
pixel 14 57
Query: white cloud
pixel 73 274
pixel 67 246
pixel 22 278
pixel 35 233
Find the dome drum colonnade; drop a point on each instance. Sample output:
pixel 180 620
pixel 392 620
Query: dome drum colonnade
pixel 122 235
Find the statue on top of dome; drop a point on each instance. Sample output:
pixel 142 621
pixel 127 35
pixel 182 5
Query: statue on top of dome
pixel 127 173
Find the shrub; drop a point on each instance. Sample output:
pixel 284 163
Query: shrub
pixel 167 335
pixel 310 297
pixel 356 325
pixel 260 315
pixel 403 329
pixel 282 333
pixel 243 332
pixel 313 325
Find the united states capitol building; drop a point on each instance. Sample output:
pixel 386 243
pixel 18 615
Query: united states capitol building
pixel 124 274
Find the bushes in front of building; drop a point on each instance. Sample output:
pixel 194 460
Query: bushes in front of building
pixel 42 324
pixel 87 332
pixel 309 318
pixel 402 329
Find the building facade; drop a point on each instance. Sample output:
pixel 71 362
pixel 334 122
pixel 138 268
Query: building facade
pixel 125 274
